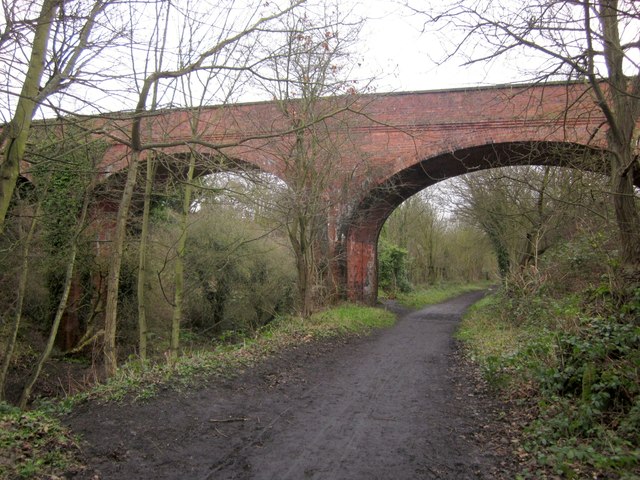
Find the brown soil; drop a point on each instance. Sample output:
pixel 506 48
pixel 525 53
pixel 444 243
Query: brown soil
pixel 399 404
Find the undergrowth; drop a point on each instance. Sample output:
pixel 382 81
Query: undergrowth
pixel 34 445
pixel 572 361
pixel 136 380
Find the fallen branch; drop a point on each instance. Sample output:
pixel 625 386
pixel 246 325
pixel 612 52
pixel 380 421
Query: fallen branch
pixel 86 340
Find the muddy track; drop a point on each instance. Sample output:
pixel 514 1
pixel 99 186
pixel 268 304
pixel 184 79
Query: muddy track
pixel 396 405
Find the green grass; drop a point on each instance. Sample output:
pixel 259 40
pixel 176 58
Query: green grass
pixel 505 351
pixel 350 319
pixel 423 296
pixel 485 332
pixel 137 381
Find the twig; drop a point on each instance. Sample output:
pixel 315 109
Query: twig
pixel 229 420
pixel 220 433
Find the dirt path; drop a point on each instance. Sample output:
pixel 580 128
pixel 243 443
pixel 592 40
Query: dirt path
pixel 395 405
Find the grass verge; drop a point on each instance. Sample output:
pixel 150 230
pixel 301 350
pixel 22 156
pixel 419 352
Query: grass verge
pixel 34 444
pixel 430 295
pixel 136 381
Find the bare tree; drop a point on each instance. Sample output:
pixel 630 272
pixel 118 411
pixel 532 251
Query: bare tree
pixel 230 50
pixel 312 67
pixel 596 42
pixel 524 211
pixel 417 226
pixel 157 44
pixel 63 34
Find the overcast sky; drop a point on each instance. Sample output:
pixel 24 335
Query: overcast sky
pixel 403 58
pixel 393 51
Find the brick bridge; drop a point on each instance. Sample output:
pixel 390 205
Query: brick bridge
pixel 389 147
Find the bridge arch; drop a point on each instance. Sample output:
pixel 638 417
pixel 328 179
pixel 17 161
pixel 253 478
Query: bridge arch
pixel 359 231
pixel 388 146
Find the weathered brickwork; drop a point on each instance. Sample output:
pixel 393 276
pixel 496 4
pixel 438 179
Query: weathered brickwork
pixel 391 146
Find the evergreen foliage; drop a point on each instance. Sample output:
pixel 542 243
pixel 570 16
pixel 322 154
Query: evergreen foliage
pixel 63 170
pixel 392 269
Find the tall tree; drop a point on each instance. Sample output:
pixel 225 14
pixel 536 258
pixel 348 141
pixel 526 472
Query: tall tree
pixel 594 41
pixel 157 44
pixel 195 99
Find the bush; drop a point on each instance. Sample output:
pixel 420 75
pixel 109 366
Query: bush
pixel 597 368
pixel 235 283
pixel 570 351
pixel 580 375
pixel 392 269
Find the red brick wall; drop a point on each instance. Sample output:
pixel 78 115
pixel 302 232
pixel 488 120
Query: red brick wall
pixel 382 136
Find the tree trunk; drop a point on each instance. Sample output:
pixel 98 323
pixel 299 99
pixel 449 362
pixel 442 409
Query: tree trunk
pixel 625 204
pixel 18 128
pixel 22 286
pixel 113 280
pixel 622 112
pixel 62 305
pixel 142 261
pixel 179 265
pixel 534 236
pixel 301 251
pixel 148 187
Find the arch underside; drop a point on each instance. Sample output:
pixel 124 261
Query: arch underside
pixel 171 168
pixel 384 199
pixel 362 229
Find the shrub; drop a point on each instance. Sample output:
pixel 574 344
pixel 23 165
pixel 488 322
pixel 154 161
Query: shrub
pixel 236 284
pixel 392 269
pixel 580 373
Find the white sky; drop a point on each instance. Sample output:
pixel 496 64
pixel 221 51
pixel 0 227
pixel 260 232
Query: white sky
pixel 393 52
pixel 405 59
